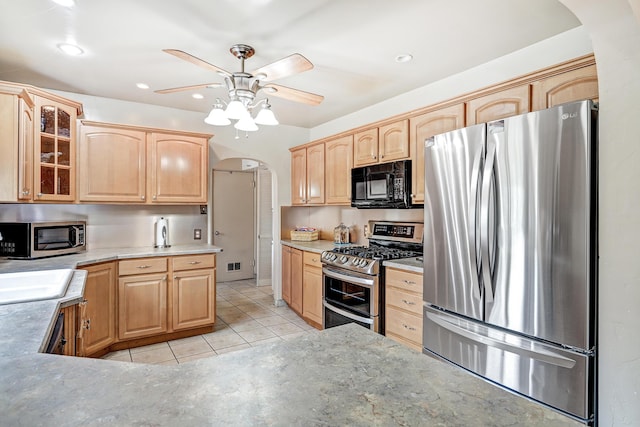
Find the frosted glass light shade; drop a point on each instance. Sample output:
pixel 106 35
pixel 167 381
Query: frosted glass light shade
pixel 266 117
pixel 235 110
pixel 217 117
pixel 246 124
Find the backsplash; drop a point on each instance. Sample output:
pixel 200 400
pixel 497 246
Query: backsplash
pixel 110 226
pixel 326 218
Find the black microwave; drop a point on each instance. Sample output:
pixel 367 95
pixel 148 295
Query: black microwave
pixel 30 240
pixel 380 186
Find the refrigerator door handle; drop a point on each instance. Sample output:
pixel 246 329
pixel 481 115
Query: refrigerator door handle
pixel 522 349
pixel 485 238
pixel 474 199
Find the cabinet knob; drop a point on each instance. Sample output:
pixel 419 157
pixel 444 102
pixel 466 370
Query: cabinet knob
pixel 142 197
pixel 154 197
pixel 25 192
pixel 39 194
pixel 382 156
pixel 373 156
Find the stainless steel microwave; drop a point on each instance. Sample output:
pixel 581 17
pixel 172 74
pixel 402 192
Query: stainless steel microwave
pixel 384 185
pixel 27 240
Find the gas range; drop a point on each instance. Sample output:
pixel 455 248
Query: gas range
pixel 387 240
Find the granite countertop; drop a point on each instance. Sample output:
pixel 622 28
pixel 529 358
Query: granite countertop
pixel 317 246
pixel 94 256
pixel 414 264
pixel 313 380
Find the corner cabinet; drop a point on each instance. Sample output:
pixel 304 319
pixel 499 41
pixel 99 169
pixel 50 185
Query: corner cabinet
pixel 307 175
pixel 54 150
pixel 422 127
pixel 98 320
pixel 127 164
pixel 16 149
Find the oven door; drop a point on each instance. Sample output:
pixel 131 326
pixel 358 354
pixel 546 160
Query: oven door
pixel 350 297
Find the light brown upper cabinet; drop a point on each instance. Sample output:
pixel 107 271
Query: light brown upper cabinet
pixel 380 145
pixel 422 127
pixel 307 175
pixel 566 87
pixel 127 164
pixel 54 150
pixel 498 105
pixel 177 168
pixel 112 164
pixel 16 149
pixel 339 161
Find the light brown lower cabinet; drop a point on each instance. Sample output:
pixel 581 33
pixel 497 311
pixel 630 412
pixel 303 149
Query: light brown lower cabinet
pixel 98 321
pixel 403 307
pixel 142 305
pixel 312 289
pixel 292 278
pixel 194 291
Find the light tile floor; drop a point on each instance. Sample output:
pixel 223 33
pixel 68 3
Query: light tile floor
pixel 246 317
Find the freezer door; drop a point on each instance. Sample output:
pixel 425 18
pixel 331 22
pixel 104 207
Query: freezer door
pixel 554 376
pixel 453 165
pixel 541 266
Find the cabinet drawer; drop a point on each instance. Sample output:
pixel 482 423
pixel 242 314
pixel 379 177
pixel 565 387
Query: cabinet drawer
pixel 405 325
pixel 411 282
pixel 142 266
pixel 312 258
pixel 404 300
pixel 194 262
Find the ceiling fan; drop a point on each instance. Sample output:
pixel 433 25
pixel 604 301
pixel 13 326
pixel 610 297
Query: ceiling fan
pixel 244 86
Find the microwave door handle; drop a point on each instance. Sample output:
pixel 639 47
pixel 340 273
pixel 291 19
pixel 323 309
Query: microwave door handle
pixel 75 236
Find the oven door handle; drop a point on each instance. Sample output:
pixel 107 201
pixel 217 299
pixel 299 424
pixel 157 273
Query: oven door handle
pixel 345 313
pixel 347 278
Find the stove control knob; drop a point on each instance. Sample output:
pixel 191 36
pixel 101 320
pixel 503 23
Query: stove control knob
pixel 343 259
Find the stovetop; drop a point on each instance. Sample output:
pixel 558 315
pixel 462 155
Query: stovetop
pixel 387 240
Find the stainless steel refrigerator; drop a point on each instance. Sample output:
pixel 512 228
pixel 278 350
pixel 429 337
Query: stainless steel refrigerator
pixel 510 254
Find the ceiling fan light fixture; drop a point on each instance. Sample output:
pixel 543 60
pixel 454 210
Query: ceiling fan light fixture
pixel 217 116
pixel 236 110
pixel 265 116
pixel 246 124
pixel 70 49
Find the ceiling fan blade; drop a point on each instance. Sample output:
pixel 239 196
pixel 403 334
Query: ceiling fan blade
pixel 292 64
pixel 181 88
pixel 197 61
pixel 293 94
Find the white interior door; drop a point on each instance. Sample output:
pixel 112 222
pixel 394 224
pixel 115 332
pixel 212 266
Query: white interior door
pixel 234 224
pixel 264 223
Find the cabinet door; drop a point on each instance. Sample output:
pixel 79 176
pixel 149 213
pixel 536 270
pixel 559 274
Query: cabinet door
pixel 177 168
pixel 299 177
pixel 296 280
pixel 100 316
pixel 315 174
pixel 338 164
pixel 394 141
pixel 422 127
pixel 286 274
pixel 571 86
pixel 365 148
pixel 142 305
pixel 54 151
pixel 193 298
pixel 506 103
pixel 25 151
pixel 111 165
pixel 312 288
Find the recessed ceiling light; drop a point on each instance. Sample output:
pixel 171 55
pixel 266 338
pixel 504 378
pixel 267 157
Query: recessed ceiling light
pixel 70 49
pixel 142 86
pixel 405 57
pixel 197 96
pixel 65 3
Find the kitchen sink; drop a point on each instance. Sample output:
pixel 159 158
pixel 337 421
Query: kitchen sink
pixel 33 285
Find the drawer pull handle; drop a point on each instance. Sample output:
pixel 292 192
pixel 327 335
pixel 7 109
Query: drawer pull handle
pixel 195 262
pixel 314 259
pixel 143 266
pixel 408 302
pixel 409 282
pixel 408 327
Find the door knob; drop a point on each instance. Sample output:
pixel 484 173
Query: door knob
pixel 217 233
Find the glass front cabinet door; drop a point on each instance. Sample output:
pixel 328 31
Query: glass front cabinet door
pixel 54 165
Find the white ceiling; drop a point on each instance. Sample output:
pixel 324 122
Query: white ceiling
pixel 352 44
